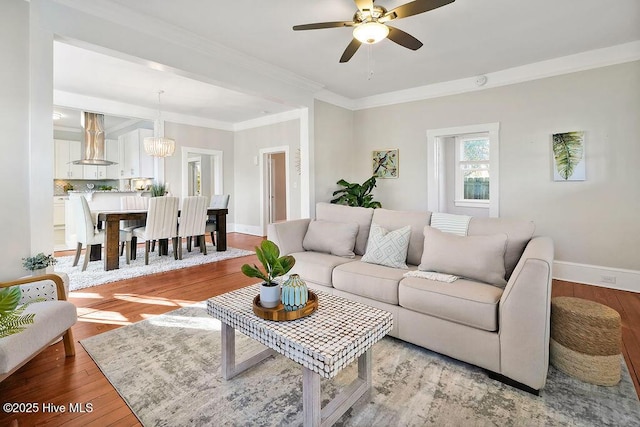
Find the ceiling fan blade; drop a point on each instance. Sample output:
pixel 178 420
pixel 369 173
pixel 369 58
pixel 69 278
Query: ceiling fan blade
pixel 414 8
pixel 364 4
pixel 350 50
pixel 403 39
pixel 321 25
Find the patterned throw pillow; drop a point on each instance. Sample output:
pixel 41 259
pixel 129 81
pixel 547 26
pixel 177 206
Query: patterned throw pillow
pixel 388 248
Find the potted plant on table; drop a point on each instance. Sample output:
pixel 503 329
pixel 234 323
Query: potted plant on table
pixel 12 320
pixel 274 266
pixel 38 264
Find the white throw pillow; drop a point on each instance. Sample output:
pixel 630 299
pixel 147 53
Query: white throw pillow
pixel 388 247
pixel 474 257
pixel 336 238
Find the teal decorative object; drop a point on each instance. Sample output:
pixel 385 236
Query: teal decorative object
pixel 294 293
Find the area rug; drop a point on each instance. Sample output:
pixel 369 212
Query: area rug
pixel 167 369
pixel 96 275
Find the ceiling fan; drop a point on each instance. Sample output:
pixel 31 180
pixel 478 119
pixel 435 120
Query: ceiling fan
pixel 370 24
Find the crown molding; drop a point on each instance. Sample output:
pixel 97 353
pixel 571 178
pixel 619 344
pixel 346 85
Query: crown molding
pixel 267 120
pixel 117 108
pixel 588 60
pixel 122 15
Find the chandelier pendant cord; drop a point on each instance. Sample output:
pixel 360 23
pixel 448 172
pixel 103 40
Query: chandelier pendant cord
pixel 370 62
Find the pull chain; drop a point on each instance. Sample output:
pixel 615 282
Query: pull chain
pixel 369 62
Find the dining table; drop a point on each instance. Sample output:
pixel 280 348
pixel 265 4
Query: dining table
pixel 111 221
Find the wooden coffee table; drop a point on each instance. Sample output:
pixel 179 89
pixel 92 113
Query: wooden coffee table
pixel 324 343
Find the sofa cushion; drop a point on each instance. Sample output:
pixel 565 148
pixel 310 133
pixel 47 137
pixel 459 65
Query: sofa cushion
pixel 368 280
pixel 474 257
pixel 52 318
pixel 386 247
pixel 392 220
pixel 341 213
pixel 316 267
pixel 518 233
pixel 336 238
pixel 464 301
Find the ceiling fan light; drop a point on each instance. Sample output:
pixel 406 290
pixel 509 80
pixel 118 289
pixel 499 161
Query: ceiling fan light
pixel 370 32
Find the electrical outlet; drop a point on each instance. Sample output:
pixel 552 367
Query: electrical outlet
pixel 608 279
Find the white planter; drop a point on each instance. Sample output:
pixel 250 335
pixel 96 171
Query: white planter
pixel 39 272
pixel 269 296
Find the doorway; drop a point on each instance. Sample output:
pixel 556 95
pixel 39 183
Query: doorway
pixel 274 177
pixel 202 172
pixel 195 176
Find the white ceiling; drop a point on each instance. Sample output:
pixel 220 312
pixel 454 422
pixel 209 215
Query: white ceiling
pixel 464 39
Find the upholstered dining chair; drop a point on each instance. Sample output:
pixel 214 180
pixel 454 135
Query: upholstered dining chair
pixel 87 234
pixel 192 222
pixel 162 223
pixel 218 201
pixel 131 203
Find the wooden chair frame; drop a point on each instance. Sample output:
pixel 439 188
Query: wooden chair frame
pixel 67 336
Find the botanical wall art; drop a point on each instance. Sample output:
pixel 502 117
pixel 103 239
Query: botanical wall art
pixel 568 156
pixel 385 163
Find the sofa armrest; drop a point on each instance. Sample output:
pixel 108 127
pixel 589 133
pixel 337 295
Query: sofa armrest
pixel 288 235
pixel 58 281
pixel 524 316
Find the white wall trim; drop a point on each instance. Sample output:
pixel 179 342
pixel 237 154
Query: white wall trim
pixel 117 108
pixel 254 230
pixel 218 168
pixel 263 217
pixel 626 280
pixel 435 188
pixel 588 60
pixel 267 120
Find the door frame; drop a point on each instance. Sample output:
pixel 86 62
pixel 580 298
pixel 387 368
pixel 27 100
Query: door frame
pixel 436 166
pixel 217 163
pixel 264 152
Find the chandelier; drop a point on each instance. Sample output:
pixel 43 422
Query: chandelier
pixel 159 146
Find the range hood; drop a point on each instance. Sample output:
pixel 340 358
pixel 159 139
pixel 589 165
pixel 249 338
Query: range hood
pixel 93 141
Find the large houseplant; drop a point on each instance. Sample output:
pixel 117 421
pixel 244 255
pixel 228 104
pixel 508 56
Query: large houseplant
pixel 274 266
pixel 354 194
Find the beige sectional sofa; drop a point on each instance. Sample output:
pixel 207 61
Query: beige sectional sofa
pixel 502 327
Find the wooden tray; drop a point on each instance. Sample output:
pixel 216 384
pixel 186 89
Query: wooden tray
pixel 279 314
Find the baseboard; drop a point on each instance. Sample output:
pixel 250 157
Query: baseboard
pixel 254 230
pixel 606 277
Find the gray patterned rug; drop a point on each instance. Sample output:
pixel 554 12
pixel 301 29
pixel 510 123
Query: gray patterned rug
pixel 167 369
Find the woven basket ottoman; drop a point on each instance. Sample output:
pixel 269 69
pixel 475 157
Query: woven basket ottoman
pixel 585 340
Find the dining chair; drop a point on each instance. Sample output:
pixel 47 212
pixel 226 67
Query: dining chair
pixel 87 233
pixel 192 223
pixel 131 203
pixel 161 223
pixel 218 201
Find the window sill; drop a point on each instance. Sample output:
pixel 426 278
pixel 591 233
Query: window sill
pixel 483 204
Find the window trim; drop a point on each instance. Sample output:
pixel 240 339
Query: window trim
pixel 459 200
pixel 435 167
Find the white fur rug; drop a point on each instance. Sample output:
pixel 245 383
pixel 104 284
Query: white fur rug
pixel 95 274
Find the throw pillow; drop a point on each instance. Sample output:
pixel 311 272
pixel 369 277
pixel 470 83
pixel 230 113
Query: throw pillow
pixel 386 247
pixel 336 238
pixel 474 257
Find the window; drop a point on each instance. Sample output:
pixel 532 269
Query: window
pixel 472 170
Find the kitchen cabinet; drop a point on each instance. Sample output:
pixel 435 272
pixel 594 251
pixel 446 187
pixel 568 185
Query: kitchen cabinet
pixel 134 162
pixel 59 211
pixel 94 172
pixel 112 148
pixel 65 152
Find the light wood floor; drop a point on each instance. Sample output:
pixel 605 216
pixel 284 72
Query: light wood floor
pixel 52 378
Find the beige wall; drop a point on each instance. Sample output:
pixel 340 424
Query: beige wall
pixel 592 222
pixel 334 149
pixel 248 144
pixel 199 137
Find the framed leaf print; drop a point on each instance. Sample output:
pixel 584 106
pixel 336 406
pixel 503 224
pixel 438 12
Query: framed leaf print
pixel 568 156
pixel 385 163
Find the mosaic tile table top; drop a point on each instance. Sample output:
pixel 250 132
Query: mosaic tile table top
pixel 324 342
